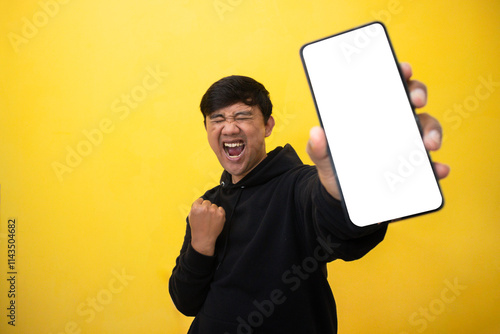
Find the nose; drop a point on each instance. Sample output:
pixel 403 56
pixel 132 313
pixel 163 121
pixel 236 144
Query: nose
pixel 230 128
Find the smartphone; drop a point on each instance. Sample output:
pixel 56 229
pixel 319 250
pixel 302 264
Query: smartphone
pixel 374 137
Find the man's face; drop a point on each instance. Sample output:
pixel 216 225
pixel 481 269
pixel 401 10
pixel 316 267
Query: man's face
pixel 237 135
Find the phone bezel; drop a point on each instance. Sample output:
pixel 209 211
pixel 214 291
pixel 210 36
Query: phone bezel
pixel 415 117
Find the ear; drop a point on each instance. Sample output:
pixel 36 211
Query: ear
pixel 269 126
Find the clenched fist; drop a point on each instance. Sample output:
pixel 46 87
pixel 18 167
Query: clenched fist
pixel 206 221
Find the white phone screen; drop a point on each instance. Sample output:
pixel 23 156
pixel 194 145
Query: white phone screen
pixel 383 170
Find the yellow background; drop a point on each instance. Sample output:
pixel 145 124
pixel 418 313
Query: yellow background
pixel 121 209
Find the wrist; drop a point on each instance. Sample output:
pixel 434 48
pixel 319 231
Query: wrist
pixel 329 182
pixel 203 248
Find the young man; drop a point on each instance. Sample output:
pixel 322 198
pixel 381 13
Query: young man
pixel 256 246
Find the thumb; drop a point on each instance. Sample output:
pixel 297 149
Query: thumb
pixel 316 146
pixel 318 152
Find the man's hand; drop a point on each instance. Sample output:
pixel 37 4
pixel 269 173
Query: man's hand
pixel 433 133
pixel 317 150
pixel 206 221
pixel 317 147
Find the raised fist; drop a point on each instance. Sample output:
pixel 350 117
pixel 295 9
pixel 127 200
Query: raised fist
pixel 206 221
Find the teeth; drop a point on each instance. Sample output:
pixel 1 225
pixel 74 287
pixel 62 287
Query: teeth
pixel 233 144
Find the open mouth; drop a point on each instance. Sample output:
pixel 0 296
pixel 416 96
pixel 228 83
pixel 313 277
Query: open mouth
pixel 234 149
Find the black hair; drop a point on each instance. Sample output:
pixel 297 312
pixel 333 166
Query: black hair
pixel 234 89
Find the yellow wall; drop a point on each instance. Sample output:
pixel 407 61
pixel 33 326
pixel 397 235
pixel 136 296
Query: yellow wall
pixel 97 235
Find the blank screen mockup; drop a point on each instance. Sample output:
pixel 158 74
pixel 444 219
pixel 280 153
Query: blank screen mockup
pixel 383 170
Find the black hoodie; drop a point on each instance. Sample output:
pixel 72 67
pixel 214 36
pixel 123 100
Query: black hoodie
pixel 268 274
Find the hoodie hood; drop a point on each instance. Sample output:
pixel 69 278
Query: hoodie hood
pixel 277 162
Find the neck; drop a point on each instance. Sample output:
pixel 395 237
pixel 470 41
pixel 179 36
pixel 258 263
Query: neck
pixel 237 178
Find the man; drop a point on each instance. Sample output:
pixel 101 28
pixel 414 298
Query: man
pixel 256 246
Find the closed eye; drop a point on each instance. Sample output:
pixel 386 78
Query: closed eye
pixel 242 118
pixel 217 118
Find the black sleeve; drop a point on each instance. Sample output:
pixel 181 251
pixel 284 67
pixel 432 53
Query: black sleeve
pixel 323 222
pixel 191 277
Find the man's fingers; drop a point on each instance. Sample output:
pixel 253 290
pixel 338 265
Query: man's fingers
pixel 418 93
pixel 406 69
pixel 318 152
pixel 442 170
pixel 204 206
pixel 432 131
pixel 433 134
pixel 316 146
pixel 219 210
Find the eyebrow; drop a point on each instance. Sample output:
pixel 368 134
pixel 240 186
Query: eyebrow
pixel 238 113
pixel 243 113
pixel 214 115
